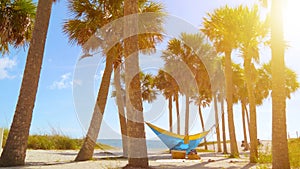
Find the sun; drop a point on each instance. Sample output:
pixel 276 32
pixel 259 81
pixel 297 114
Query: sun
pixel 292 19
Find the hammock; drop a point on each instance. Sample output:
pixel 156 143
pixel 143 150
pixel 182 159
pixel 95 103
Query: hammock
pixel 178 142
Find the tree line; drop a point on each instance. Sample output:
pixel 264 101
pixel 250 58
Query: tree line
pixel 240 28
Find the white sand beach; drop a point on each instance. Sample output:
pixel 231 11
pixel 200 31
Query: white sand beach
pixel 63 159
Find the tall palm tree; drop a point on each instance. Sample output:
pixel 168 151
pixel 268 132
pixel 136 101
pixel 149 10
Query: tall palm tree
pixel 169 88
pixel 121 110
pixel 223 124
pixel 241 95
pixel 184 58
pixel 16 23
pixel 14 151
pixel 251 34
pixel 217 122
pixel 218 90
pixel 202 101
pixel 280 157
pixel 221 29
pixel 88 18
pixel 148 94
pixel 137 154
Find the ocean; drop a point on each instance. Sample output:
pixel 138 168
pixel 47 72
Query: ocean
pixel 151 144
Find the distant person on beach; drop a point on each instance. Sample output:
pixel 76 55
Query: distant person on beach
pixel 243 144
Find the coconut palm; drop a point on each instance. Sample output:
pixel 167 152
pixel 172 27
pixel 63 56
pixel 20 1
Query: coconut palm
pixel 88 18
pixel 16 23
pixel 221 29
pixel 14 151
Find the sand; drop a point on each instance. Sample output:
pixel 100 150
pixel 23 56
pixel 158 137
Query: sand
pixel 63 159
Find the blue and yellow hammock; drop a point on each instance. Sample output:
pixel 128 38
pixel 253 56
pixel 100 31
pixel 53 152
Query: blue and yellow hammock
pixel 178 142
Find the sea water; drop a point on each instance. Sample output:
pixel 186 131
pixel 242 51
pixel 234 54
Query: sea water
pixel 151 144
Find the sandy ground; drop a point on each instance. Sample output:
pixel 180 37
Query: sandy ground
pixel 63 159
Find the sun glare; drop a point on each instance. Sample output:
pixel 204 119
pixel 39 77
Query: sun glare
pixel 291 19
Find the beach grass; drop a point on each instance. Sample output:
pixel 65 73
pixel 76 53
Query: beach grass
pixel 294 152
pixel 211 143
pixel 55 142
pixel 265 155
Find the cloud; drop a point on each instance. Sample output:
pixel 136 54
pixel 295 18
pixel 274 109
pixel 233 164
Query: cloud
pixel 6 64
pixel 77 82
pixel 64 82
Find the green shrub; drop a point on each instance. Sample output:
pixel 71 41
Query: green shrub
pixel 264 155
pixel 5 134
pixel 54 142
pixel 294 152
pixel 46 142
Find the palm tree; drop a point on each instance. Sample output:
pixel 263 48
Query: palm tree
pixel 137 154
pixel 16 23
pixel 88 18
pixel 169 88
pixel 14 151
pixel 218 90
pixel 264 82
pixel 223 124
pixel 148 94
pixel 217 122
pixel 202 101
pixel 184 58
pixel 221 29
pixel 121 110
pixel 251 34
pixel 280 157
pixel 241 95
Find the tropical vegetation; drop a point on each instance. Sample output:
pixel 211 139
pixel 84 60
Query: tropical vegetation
pixel 198 68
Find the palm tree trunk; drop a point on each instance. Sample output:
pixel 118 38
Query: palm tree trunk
pixel 223 126
pixel 252 105
pixel 177 114
pixel 187 114
pixel 229 93
pixel 217 123
pixel 170 114
pixel 122 116
pixel 202 125
pixel 14 151
pixel 279 134
pixel 137 149
pixel 247 115
pixel 87 150
pixel 244 127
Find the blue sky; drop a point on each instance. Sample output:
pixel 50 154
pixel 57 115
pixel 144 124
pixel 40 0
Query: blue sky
pixel 55 108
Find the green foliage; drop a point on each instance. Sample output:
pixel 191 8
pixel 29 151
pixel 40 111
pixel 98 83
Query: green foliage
pixel 265 155
pixel 294 152
pixel 16 23
pixel 5 134
pixel 54 142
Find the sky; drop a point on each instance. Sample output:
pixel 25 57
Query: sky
pixel 64 104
